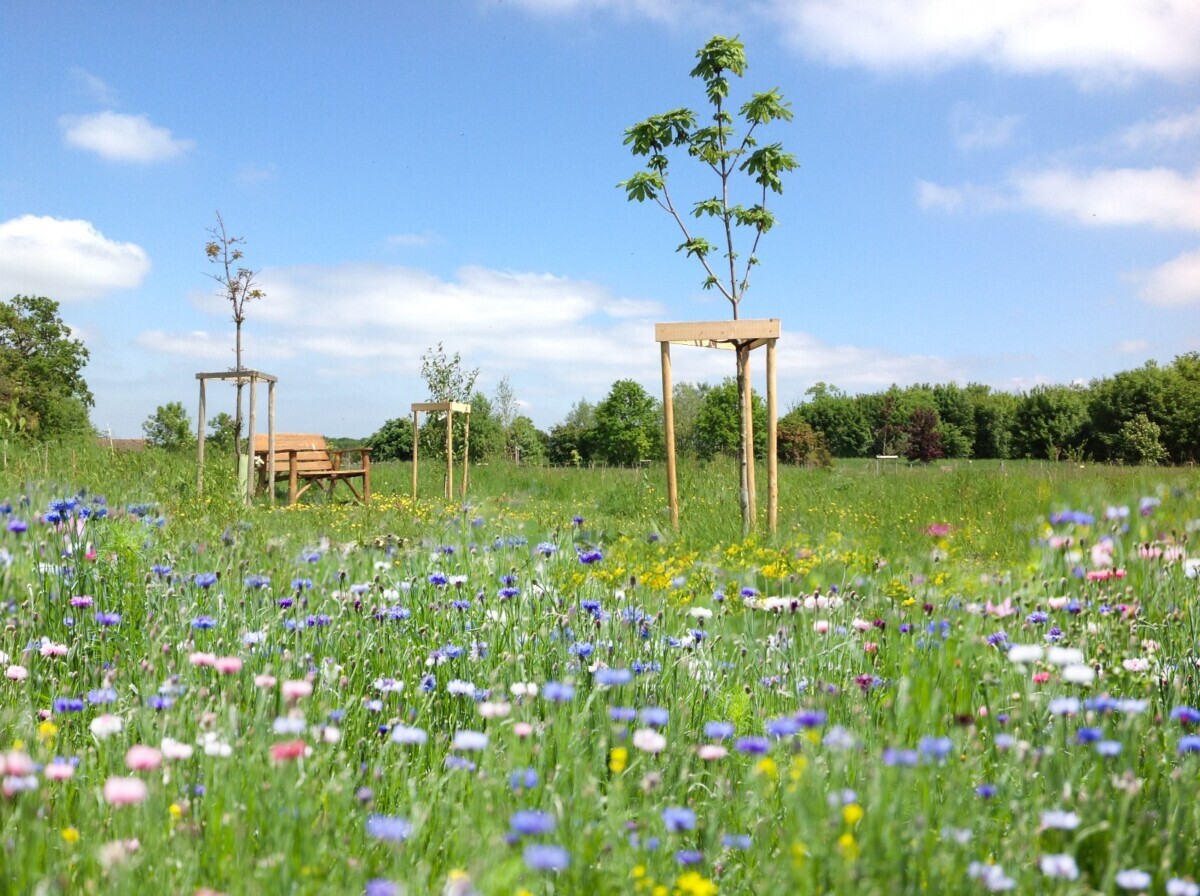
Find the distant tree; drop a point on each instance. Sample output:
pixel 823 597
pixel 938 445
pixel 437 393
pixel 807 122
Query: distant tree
pixel 169 428
pixel 222 431
pixel 924 441
pixel 995 413
pixel 956 418
pixel 393 440
pixel 840 418
pixel 573 440
pixel 627 424
pixel 447 380
pixel 1050 422
pixel 526 443
pixel 238 286
pixel 718 426
pixel 687 399
pixel 800 444
pixel 487 435
pixel 504 404
pixel 890 426
pixel 1138 442
pixel 42 390
pixel 723 152
pixel 1181 416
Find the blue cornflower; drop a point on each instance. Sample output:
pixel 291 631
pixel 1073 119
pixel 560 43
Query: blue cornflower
pixel 1185 715
pixel 204 579
pixel 736 841
pixel 531 823
pixel 784 726
pixel 1037 617
pixel 718 730
pixel 15 525
pixel 752 745
pixel 428 684
pixel 1108 747
pixel 935 748
pixel 161 570
pixel 1088 735
pixel 986 791
pixel 258 581
pixel 679 818
pixel 299 584
pixel 558 692
pixel 894 756
pixel 108 618
pixel 622 713
pixel 102 696
pixel 655 716
pixel 546 857
pixel 68 704
pixel 612 677
pixel 1055 634
pixel 811 718
pixel 1189 743
pixel 581 649
pixel 461 604
pixel 381 886
pixel 409 737
pixel 437 578
pixel 545 548
pixel 392 828
pixel 523 779
pixel 590 555
pixel 158 703
pixel 509 591
pixel 203 622
pixel 689 857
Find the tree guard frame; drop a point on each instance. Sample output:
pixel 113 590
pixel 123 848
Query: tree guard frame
pixel 731 335
pixel 253 378
pixel 449 408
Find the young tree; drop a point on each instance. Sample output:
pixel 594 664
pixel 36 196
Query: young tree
pixel 717 430
pixel 238 286
pixel 626 424
pixel 393 440
pixel 223 431
pixel 42 390
pixel 169 427
pixel 720 149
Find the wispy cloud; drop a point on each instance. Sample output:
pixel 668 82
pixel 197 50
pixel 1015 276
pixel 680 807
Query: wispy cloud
pixel 256 174
pixel 408 240
pixel 1172 285
pixel 1133 346
pixel 1093 41
pixel 94 87
pixel 65 260
pixel 1103 197
pixel 1167 130
pixel 122 138
pixel 973 129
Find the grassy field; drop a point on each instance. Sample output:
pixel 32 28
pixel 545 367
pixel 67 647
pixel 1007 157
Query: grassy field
pixel 956 679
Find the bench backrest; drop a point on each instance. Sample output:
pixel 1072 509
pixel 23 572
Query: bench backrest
pixel 312 454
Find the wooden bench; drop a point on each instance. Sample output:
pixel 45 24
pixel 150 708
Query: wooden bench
pixel 305 460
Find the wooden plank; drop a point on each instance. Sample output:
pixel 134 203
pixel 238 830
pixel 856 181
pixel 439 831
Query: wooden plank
pixel 455 407
pixel 244 375
pixel 718 334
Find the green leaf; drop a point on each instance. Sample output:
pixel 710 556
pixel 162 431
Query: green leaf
pixel 767 163
pixel 698 246
pixel 642 186
pixel 711 207
pixel 764 107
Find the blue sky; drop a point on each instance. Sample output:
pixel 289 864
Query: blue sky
pixel 1004 193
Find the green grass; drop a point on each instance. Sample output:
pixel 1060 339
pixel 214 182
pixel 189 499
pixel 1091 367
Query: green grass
pixel 878 657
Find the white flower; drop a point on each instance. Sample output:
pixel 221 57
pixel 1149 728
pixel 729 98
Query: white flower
pixel 700 612
pixel 1025 653
pixel 1133 879
pixel 1079 674
pixel 1064 656
pixel 1059 865
pixel 992 876
pixel 1059 819
pixel 289 725
pixel 523 689
pixel 1177 886
pixel 212 745
pixel 173 749
pixel 648 740
pixel 106 726
pixel 1136 664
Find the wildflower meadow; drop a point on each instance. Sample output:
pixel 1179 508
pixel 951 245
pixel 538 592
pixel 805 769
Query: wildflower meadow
pixel 962 679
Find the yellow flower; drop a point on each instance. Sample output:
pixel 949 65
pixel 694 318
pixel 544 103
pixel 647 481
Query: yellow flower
pixel 848 846
pixel 691 883
pixel 617 759
pixel 766 766
pixel 660 890
pixel 638 871
pixel 799 764
pixel 46 731
pixel 70 835
pixel 175 811
pixel 799 854
pixel 852 813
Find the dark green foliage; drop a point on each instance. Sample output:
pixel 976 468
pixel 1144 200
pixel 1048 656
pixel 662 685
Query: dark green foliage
pixel 718 429
pixel 1138 442
pixel 627 425
pixel 223 432
pixel 573 441
pixel 1051 423
pixel 42 390
pixel 169 428
pixel 393 440
pixel 526 443
pixel 798 443
pixel 840 418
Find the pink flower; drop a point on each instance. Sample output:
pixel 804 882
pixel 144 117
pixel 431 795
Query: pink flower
pixel 522 729
pixel 49 648
pixel 142 758
pixel 16 762
pixel 59 771
pixel 125 791
pixel 296 689
pixel 16 673
pixel 999 610
pixel 266 682
pixel 202 659
pixel 288 749
pixel 938 530
pixel 1041 677
pixel 228 665
pixel 870 647
pixel 709 752
pixel 821 626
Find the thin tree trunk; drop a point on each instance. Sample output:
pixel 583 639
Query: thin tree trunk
pixel 743 456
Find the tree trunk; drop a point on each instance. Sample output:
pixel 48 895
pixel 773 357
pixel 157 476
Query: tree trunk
pixel 744 454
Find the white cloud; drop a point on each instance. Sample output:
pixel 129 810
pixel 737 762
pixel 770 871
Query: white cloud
pixel 1103 197
pixel 65 260
pixel 1174 284
pixel 1158 197
pixel 96 88
pixel 122 138
pixel 1165 131
pixel 256 174
pixel 656 10
pixel 557 339
pixel 1133 346
pixel 1090 39
pixel 407 240
pixel 973 129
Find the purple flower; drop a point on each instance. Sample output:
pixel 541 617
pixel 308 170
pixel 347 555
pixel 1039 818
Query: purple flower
pixel 530 823
pixel 589 555
pixel 784 726
pixel 523 779
pixel 654 716
pixel 108 618
pixel 718 730
pixel 203 622
pixel 689 857
pixel 68 704
pixel 392 828
pixel 557 692
pixel 546 857
pixel 612 677
pixel 752 745
pixel 679 818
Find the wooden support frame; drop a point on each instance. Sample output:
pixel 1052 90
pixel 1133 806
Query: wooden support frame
pixel 732 335
pixel 240 378
pixel 449 408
